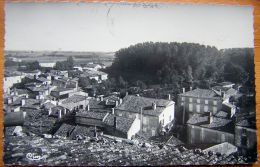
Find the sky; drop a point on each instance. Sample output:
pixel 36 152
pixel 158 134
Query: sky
pixel 109 27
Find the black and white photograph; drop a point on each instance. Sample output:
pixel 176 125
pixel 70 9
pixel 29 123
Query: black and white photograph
pixel 129 84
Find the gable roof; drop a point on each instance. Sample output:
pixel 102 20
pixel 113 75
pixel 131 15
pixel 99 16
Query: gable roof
pixel 217 123
pixel 123 123
pixel 92 115
pixel 135 103
pixel 204 93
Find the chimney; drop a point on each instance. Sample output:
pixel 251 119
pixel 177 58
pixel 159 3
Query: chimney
pixel 183 90
pixel 154 106
pixel 190 88
pixel 126 93
pixel 210 117
pixel 169 96
pixel 101 98
pixel 115 122
pixel 106 101
pixel 59 113
pixel 113 111
pixel 50 111
pixel 87 107
pixel 120 101
pixel 23 102
pixel 116 103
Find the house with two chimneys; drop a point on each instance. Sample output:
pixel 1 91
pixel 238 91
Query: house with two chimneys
pixel 155 115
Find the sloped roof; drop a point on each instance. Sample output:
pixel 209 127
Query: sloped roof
pixel 64 130
pixel 202 120
pixel 91 114
pixel 222 114
pixel 249 122
pixel 82 131
pixel 123 123
pixel 135 103
pixel 204 93
pixel 72 101
pixel 48 105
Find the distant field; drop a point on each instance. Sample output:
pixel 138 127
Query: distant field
pixel 47 57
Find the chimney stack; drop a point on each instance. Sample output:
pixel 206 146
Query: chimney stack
pixel 23 102
pixel 113 111
pixel 120 101
pixel 183 90
pixel 115 122
pixel 87 107
pixel 106 101
pixel 126 93
pixel 116 103
pixel 101 98
pixel 210 117
pixel 190 88
pixel 59 113
pixel 169 96
pixel 154 106
pixel 49 112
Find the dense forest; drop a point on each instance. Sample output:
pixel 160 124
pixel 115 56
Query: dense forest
pixel 181 64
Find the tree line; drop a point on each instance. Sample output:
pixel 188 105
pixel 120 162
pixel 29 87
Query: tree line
pixel 181 64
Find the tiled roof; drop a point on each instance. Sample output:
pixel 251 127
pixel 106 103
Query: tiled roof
pixel 247 122
pixel 48 105
pixel 82 131
pixel 218 88
pixel 32 103
pixel 21 91
pixel 123 124
pixel 217 123
pixel 91 114
pixel 222 114
pixel 135 103
pixel 65 130
pixel 94 104
pixel 42 79
pixel 72 101
pixel 231 92
pixel 206 93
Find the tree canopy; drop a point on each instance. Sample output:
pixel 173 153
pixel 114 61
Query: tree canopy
pixel 182 63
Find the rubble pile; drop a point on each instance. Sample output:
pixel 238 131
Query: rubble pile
pixel 106 151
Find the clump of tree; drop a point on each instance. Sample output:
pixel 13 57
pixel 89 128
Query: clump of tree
pixel 181 64
pixel 65 65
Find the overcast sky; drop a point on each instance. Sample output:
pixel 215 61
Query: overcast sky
pixel 109 27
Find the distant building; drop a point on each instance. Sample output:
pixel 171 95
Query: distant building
pixel 198 101
pixel 51 65
pixel 10 79
pixel 92 67
pixel 155 114
pixel 75 102
pixel 97 75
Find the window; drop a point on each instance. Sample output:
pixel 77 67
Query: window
pixel 198 108
pixel 223 138
pixel 120 114
pixel 182 98
pixel 198 100
pixel 215 102
pixel 206 102
pixel 182 104
pixel 215 109
pixel 190 99
pixel 206 108
pixel 153 132
pixel 144 120
pixel 190 107
pixel 144 129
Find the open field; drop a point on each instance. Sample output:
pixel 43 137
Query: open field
pixel 54 56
